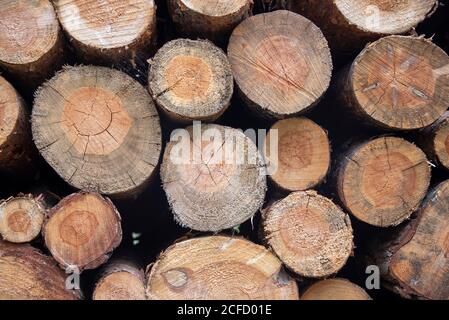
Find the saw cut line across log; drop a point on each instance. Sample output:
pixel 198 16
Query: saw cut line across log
pixel 99 130
pixel 219 268
pixel 281 63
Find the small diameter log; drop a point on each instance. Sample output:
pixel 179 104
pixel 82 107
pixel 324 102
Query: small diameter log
pixel 210 19
pixel 383 181
pixel 303 154
pixel 191 80
pixel 17 152
pixel 99 130
pixel 309 233
pixel 120 280
pixel 434 141
pixel 219 268
pixel 415 261
pixel 350 24
pixel 397 83
pixel 218 183
pixel 335 289
pixel 27 274
pixel 82 231
pixel 21 218
pixel 281 63
pixel 31 43
pixel 109 31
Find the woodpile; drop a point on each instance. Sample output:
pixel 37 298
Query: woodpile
pixel 239 149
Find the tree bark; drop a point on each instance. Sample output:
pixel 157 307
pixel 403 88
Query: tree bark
pixel 414 260
pixel 281 63
pixel 109 32
pixel 219 268
pixel 82 231
pixel 17 152
pixel 383 181
pixel 218 182
pixel 120 280
pixel 301 159
pixel 191 80
pixel 335 289
pixel 31 42
pixel 21 218
pixel 396 83
pixel 349 24
pixel 309 233
pixel 27 274
pixel 209 19
pixel 99 130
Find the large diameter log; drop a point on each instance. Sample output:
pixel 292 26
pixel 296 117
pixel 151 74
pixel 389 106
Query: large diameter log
pixel 383 181
pixel 109 31
pixel 21 218
pixel 99 130
pixel 219 268
pixel 211 188
pixel 191 80
pixel 210 19
pixel 335 289
pixel 120 280
pixel 350 24
pixel 415 261
pixel 27 274
pixel 309 233
pixel 17 152
pixel 434 141
pixel 281 63
pixel 397 83
pixel 82 231
pixel 302 158
pixel 31 44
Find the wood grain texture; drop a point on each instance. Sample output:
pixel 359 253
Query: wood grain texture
pixel 21 218
pixel 31 44
pixel 415 259
pixel 383 181
pixel 397 83
pixel 17 152
pixel 191 80
pixel 120 280
pixel 82 231
pixel 212 188
pixel 335 289
pixel 350 24
pixel 303 154
pixel 27 274
pixel 309 233
pixel 109 31
pixel 281 63
pixel 208 19
pixel 99 130
pixel 220 268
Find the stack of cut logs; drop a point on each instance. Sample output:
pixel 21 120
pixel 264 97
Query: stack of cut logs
pixel 91 92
